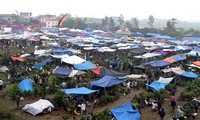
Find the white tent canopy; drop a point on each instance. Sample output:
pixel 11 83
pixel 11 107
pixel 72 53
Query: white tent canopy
pixel 133 76
pixel 147 55
pixel 176 70
pixel 76 72
pixel 105 49
pixel 4 69
pixel 60 56
pixel 25 55
pixel 165 80
pixel 37 107
pixel 73 60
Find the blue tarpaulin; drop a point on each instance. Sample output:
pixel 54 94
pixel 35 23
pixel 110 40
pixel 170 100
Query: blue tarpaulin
pixel 126 112
pixel 152 34
pixel 158 63
pixel 26 85
pixel 38 66
pixel 87 65
pixel 61 52
pixel 80 91
pixel 177 57
pixel 191 38
pixel 138 34
pixel 164 37
pixel 190 75
pixel 114 64
pixel 47 60
pixel 62 71
pixel 157 85
pixel 106 81
pixel 161 52
pixel 134 46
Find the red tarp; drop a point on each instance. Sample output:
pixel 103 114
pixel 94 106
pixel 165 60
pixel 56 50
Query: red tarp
pixel 18 59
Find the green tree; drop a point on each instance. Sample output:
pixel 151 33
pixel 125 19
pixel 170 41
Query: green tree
pixel 34 21
pixel 121 20
pixel 128 25
pixel 151 21
pixel 68 23
pixel 14 89
pixel 135 22
pixel 111 24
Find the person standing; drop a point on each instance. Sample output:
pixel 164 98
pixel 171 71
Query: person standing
pixel 17 97
pixel 173 104
pixel 162 114
pixel 179 113
pixel 159 105
pixel 195 103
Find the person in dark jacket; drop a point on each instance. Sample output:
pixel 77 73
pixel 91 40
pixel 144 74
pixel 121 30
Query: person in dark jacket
pixel 162 114
pixel 173 104
pixel 159 106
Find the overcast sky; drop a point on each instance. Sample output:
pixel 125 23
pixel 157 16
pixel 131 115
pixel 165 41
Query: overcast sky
pixel 180 9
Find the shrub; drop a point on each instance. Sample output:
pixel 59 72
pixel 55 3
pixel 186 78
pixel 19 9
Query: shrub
pixel 188 110
pixel 37 90
pixel 14 89
pixel 105 115
pixel 59 99
pixel 186 96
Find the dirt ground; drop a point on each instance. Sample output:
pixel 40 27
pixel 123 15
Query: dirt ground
pixel 9 106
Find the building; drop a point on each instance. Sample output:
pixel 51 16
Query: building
pixel 48 20
pixel 26 16
pixel 44 18
pixel 8 18
pixel 51 23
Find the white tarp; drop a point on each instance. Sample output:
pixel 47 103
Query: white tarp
pixel 73 60
pixel 60 56
pixel 4 69
pixel 25 55
pixel 37 107
pixel 165 80
pixel 105 49
pixel 178 71
pixel 42 52
pixel 133 76
pixel 192 65
pixel 75 51
pixel 147 55
pixel 76 72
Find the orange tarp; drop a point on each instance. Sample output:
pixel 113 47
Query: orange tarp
pixel 171 60
pixel 18 59
pixel 197 63
pixel 96 70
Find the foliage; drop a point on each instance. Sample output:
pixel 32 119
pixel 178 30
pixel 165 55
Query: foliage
pixel 8 116
pixel 5 59
pixel 52 83
pixel 151 21
pixel 14 89
pixel 135 103
pixel 37 90
pixel 104 99
pixel 186 96
pixel 59 99
pixel 188 110
pixel 192 90
pixel 162 94
pixel 105 115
